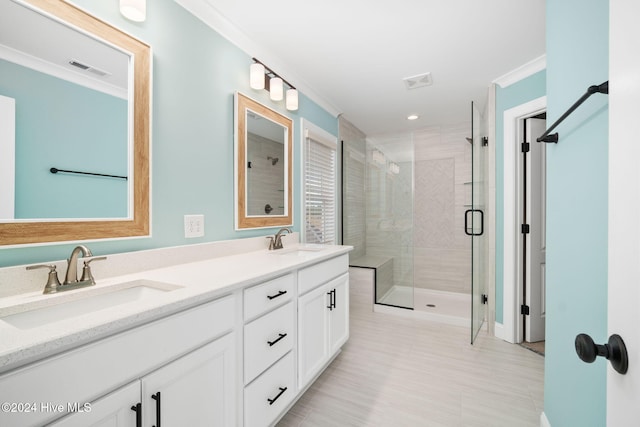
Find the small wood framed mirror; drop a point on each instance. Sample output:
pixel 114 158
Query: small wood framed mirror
pixel 263 171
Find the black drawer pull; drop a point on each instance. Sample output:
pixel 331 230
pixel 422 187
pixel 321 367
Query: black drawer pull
pixel 272 401
pixel 280 336
pixel 137 408
pixel 276 295
pixel 156 397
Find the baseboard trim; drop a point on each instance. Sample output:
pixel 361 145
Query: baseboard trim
pixel 544 422
pixel 499 331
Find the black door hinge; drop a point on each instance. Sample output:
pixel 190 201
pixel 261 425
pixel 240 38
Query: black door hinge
pixel 524 309
pixel 526 147
pixel 484 298
pixel 485 141
pixel 525 228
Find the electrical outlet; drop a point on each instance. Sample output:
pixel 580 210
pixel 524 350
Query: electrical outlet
pixel 193 226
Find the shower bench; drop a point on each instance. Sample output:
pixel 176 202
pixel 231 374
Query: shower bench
pixel 382 272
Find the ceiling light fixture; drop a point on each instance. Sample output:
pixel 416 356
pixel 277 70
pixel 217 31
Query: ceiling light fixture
pixel 134 10
pixel 262 77
pixel 413 117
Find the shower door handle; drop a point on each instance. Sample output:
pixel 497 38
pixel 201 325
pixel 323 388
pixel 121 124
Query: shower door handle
pixel 470 231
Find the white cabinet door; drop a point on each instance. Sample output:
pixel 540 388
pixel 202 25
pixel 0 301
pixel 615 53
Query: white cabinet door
pixel 196 390
pixel 339 313
pixel 313 334
pixel 114 410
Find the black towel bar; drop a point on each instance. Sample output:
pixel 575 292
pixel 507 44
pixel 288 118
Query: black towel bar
pixel 56 170
pixel 602 88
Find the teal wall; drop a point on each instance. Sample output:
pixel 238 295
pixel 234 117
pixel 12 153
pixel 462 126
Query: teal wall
pixel 521 92
pixel 195 74
pixel 54 128
pixel 577 57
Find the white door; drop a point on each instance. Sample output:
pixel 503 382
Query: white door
pixel 195 390
pixel 623 391
pixel 535 242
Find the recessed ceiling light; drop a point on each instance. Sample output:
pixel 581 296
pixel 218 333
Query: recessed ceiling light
pixel 412 117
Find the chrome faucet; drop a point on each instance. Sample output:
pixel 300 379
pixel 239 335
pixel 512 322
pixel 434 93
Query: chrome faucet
pixel 277 241
pixel 71 278
pixel 72 264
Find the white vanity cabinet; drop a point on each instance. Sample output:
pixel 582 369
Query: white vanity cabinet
pixel 189 357
pixel 196 389
pixel 323 316
pixel 269 337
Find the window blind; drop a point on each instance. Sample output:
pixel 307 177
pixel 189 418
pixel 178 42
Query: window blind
pixel 320 191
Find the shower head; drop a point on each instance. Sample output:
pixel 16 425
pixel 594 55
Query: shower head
pixel 274 160
pixel 469 140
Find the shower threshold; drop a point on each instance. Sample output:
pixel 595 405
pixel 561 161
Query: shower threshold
pixel 452 308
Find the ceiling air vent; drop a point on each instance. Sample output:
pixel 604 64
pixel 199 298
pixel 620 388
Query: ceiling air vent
pixel 89 68
pixel 420 80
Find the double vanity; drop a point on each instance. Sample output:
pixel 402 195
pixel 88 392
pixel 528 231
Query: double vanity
pixel 224 334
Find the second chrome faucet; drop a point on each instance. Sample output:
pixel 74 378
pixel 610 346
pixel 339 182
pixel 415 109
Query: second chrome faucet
pixel 71 280
pixel 275 242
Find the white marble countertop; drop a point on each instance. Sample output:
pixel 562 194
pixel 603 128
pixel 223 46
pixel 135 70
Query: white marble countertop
pixel 199 282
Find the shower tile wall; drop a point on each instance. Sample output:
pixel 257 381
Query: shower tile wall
pixel 353 182
pixel 265 179
pixel 442 251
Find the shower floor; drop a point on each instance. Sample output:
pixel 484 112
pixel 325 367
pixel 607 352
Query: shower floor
pixel 446 307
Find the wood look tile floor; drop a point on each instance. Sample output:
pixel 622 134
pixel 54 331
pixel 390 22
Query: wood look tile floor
pixel 398 371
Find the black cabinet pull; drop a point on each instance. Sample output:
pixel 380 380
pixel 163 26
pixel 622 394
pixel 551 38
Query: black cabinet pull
pixel 156 397
pixel 276 295
pixel 332 299
pixel 272 401
pixel 280 336
pixel 137 408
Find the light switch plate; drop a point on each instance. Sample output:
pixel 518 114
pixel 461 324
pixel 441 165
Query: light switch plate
pixel 193 226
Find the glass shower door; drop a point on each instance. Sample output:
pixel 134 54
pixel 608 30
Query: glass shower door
pixel 474 222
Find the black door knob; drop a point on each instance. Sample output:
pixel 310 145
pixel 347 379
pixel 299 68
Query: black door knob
pixel 614 351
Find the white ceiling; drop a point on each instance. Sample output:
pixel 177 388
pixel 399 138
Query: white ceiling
pixel 353 55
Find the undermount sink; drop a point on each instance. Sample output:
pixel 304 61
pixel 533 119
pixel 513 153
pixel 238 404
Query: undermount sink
pixel 66 306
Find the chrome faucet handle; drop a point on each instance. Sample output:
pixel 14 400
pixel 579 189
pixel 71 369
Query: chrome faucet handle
pixel 278 237
pixel 52 279
pixel 271 242
pixel 86 269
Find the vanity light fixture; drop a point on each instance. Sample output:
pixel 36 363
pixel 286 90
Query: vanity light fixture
pixel 394 168
pixel 292 100
pixel 262 77
pixel 378 157
pixel 134 10
pixel 275 89
pixel 256 76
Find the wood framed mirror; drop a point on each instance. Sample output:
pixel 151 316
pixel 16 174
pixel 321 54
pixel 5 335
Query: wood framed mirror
pixel 263 165
pixel 73 34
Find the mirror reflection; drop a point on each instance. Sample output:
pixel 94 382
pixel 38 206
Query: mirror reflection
pixel 263 166
pixel 74 99
pixel 65 96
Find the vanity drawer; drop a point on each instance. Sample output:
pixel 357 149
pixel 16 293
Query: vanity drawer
pixel 270 394
pixel 266 296
pixel 311 277
pixel 267 339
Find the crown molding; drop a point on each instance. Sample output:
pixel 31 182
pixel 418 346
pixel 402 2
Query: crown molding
pixel 522 72
pixel 203 10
